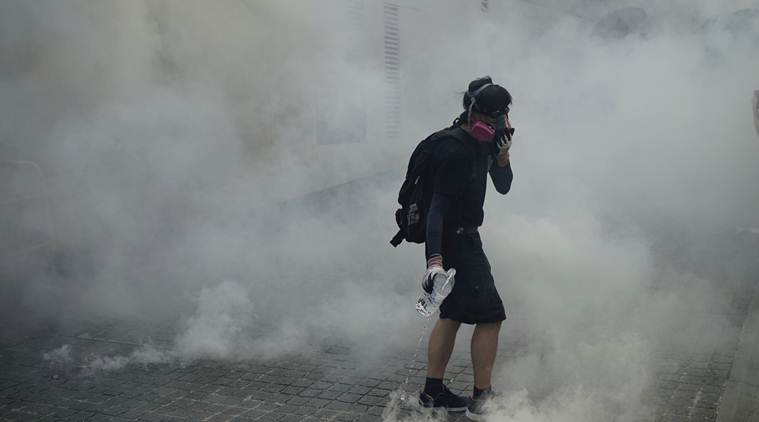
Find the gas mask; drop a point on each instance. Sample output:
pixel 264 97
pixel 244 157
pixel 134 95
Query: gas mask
pixel 499 133
pixel 497 137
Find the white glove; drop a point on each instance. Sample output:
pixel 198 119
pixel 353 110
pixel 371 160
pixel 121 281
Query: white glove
pixel 428 283
pixel 434 267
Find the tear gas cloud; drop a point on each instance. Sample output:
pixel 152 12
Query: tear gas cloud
pixel 179 142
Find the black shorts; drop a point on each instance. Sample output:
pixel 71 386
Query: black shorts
pixel 474 298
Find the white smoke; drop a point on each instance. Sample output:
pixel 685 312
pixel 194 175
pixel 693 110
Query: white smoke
pixel 61 355
pixel 180 150
pixel 144 355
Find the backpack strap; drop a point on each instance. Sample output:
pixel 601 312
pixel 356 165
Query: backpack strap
pixel 458 133
pixel 398 238
pixel 431 140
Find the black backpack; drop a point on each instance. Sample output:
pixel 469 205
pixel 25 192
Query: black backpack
pixel 415 195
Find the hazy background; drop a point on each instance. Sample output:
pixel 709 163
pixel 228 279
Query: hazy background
pixel 186 147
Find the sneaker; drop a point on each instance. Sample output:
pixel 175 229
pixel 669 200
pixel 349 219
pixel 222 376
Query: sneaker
pixel 446 399
pixel 478 408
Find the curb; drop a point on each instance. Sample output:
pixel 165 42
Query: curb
pixel 740 402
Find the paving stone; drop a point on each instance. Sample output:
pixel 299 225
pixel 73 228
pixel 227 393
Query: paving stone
pixel 358 389
pixel 325 413
pixel 349 398
pixel 292 390
pixel 310 393
pixel 377 392
pixel 298 401
pixel 317 402
pixel 301 382
pixel 321 385
pixel 349 417
pixel 329 395
pixel 340 387
pixel 346 407
pixel 375 410
pixel 252 414
pixel 372 400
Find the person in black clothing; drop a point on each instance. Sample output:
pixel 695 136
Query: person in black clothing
pixel 460 168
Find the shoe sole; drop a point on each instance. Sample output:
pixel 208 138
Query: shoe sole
pixel 449 409
pixel 475 416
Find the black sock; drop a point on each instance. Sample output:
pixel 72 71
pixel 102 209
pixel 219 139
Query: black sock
pixel 476 393
pixel 433 386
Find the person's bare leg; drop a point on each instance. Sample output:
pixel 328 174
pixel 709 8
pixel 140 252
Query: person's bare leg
pixel 440 347
pixel 484 348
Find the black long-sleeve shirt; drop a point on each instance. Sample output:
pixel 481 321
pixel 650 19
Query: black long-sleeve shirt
pixel 459 177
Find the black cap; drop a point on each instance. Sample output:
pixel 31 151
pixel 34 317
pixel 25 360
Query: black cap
pixel 489 98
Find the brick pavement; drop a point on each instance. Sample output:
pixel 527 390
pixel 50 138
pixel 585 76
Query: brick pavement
pixel 325 386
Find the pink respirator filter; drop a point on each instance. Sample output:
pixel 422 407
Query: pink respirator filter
pixel 482 132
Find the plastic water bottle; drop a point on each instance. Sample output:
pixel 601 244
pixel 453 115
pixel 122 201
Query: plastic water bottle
pixel 428 303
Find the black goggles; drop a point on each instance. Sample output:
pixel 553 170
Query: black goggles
pixel 497 114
